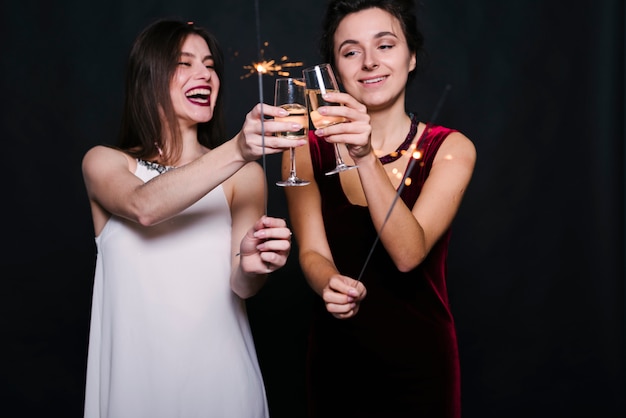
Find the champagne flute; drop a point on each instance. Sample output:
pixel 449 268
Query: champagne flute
pixel 289 93
pixel 320 79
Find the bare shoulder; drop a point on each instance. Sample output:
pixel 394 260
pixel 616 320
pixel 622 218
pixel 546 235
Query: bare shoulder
pixel 100 151
pixel 101 157
pixel 459 146
pixel 101 154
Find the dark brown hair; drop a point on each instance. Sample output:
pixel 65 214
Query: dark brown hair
pixel 403 10
pixel 151 66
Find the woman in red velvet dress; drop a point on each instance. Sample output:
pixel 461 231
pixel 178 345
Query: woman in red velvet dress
pixel 384 345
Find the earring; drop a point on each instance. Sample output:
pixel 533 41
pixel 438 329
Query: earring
pixel 158 148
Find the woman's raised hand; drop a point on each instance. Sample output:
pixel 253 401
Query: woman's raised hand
pixel 355 132
pixel 259 120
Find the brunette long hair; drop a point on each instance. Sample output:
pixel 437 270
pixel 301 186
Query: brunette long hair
pixel 151 66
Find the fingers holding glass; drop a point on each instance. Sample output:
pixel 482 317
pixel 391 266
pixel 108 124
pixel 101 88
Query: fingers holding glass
pixel 320 79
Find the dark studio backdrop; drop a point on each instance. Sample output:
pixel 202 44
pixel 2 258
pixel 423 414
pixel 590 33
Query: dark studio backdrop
pixel 537 259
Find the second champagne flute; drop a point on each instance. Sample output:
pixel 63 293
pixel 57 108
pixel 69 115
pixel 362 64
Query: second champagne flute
pixel 289 93
pixel 320 79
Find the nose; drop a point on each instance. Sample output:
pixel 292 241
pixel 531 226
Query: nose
pixel 205 73
pixel 369 63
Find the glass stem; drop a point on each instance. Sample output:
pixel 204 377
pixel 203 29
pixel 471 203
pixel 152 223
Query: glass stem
pixel 292 159
pixel 338 159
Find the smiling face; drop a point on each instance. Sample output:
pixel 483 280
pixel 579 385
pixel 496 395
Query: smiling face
pixel 372 58
pixel 194 86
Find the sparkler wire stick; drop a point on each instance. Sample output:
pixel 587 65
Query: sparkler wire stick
pixel 406 173
pixel 260 73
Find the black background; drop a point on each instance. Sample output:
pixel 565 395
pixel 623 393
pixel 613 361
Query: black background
pixel 537 258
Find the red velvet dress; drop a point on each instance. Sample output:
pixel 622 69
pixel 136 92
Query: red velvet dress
pixel 398 356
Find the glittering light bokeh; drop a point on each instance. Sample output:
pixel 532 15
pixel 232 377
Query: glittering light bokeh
pixel 271 67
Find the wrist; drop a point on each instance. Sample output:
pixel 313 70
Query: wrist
pixel 368 158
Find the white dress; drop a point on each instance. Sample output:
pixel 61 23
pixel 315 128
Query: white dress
pixel 168 337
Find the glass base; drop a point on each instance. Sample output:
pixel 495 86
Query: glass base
pixel 293 181
pixel 340 168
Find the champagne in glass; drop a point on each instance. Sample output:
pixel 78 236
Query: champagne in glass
pixel 316 100
pixel 289 93
pixel 320 79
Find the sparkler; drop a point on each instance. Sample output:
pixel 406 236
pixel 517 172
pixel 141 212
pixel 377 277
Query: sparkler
pixel 260 73
pixel 265 67
pixel 416 156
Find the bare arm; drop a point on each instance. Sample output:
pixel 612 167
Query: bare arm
pixel 113 189
pixel 341 294
pixel 259 244
pixel 408 235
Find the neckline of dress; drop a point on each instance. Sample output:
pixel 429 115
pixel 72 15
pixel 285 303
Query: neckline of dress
pixel 399 152
pixel 151 165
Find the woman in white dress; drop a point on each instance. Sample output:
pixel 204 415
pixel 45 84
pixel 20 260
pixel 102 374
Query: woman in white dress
pixel 182 239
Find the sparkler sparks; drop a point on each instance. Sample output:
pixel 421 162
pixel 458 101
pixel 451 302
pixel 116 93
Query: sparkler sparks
pixel 271 67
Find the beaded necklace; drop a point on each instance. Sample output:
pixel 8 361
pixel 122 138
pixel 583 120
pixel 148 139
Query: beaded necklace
pixel 391 157
pixel 150 165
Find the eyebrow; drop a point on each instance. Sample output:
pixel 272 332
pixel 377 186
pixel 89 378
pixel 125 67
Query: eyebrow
pixel 378 35
pixel 190 55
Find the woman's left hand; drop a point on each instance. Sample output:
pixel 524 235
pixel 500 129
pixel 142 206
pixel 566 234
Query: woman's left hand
pixel 355 132
pixel 266 246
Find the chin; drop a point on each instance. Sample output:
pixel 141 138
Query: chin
pixel 204 118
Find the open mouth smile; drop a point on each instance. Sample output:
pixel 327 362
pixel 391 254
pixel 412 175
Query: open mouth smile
pixel 199 95
pixel 374 80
